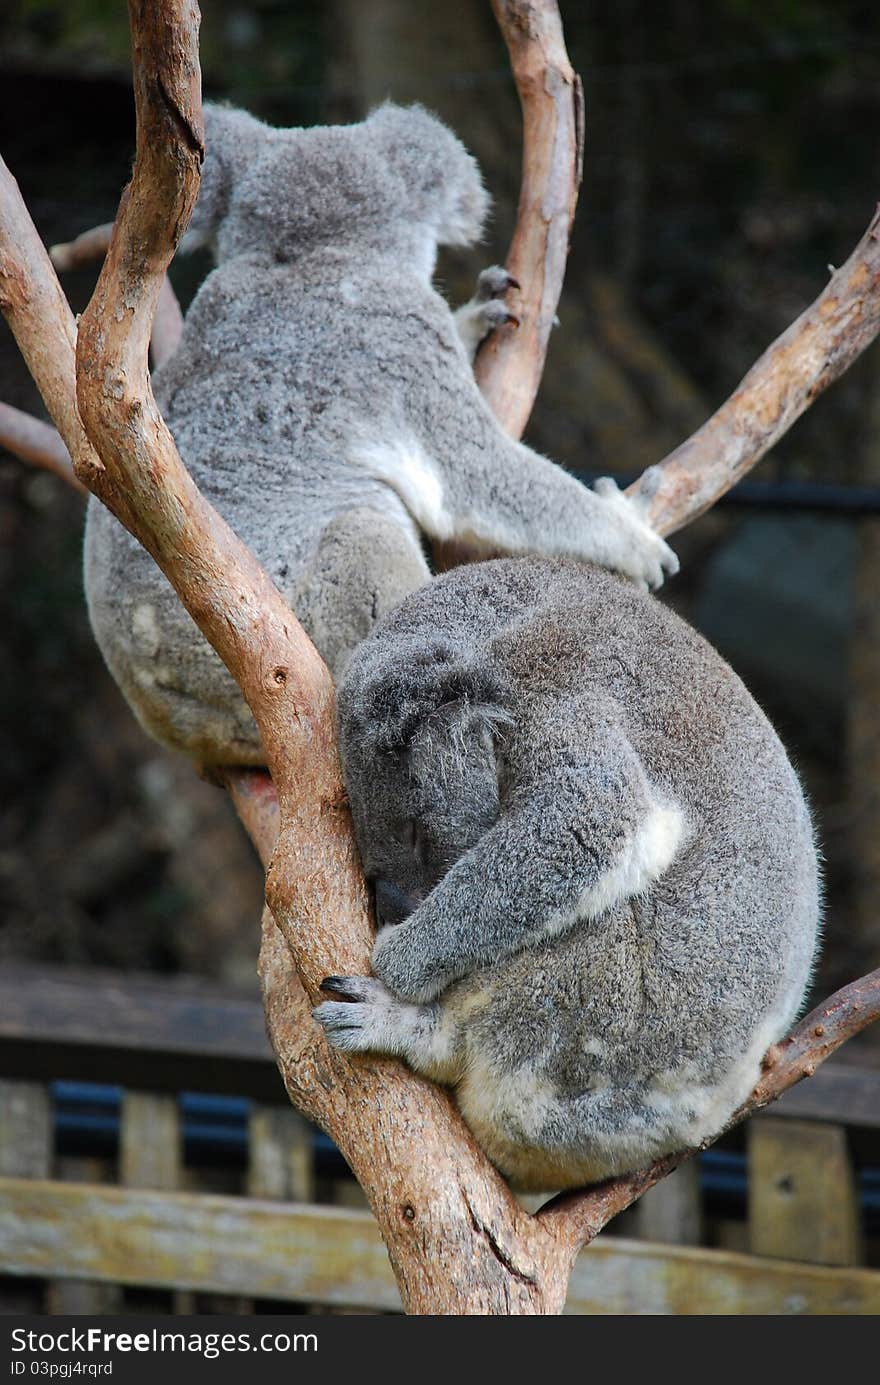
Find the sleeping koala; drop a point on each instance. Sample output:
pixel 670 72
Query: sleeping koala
pixel 593 864
pixel 323 400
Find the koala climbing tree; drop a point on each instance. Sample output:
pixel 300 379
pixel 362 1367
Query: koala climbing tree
pixel 458 1241
pixel 322 399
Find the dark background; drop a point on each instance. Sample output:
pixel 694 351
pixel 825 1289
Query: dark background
pixel 732 155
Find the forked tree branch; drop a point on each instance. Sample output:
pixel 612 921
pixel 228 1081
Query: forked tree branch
pixel 457 1239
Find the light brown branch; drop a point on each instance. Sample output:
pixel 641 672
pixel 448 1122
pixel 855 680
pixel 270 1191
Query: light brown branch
pixel 576 1218
pixel 83 250
pixel 167 325
pixel 37 443
pixel 93 245
pixel 812 353
pixel 510 365
pixel 39 315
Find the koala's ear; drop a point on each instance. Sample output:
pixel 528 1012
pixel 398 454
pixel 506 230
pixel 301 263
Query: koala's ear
pixel 457 736
pixel 233 139
pixel 384 701
pixel 442 181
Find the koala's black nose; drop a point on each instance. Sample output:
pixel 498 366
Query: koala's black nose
pixel 393 904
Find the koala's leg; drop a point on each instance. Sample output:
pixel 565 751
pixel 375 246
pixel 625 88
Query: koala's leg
pixel 575 842
pixel 486 310
pixel 372 1020
pixel 364 566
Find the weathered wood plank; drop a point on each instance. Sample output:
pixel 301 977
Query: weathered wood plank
pixel 280 1155
pixel 25 1130
pixel 205 1242
pixel 151 1156
pixel 149 1033
pixel 25 1151
pixel 327 1255
pixel 149 1144
pixel 672 1211
pixel 82 1297
pixel 803 1201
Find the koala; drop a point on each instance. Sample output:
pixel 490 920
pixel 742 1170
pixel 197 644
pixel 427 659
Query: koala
pixel 594 869
pixel 322 398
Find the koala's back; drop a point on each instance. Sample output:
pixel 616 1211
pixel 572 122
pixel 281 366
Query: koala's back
pixel 279 417
pixel 639 1030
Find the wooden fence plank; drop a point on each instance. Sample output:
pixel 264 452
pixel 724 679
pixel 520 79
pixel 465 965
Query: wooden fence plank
pixel 206 1242
pixel 151 1155
pixel 327 1255
pixel 165 1035
pixel 803 1201
pixel 149 1143
pixel 82 1297
pixel 26 1152
pixel 672 1211
pixel 25 1130
pixel 280 1155
pixel 148 1033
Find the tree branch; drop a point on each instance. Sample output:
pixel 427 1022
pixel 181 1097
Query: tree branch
pixel 576 1218
pixel 510 365
pixel 817 348
pixel 93 245
pixel 83 250
pixel 37 443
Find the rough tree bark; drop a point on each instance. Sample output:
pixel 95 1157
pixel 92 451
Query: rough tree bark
pixel 458 1241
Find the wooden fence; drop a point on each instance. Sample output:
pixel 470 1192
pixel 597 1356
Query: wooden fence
pixel 100 1235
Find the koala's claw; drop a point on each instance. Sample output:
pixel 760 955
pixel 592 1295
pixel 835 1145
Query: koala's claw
pixel 361 1022
pixel 497 314
pixel 349 987
pixel 493 282
pixel 646 558
pixel 486 310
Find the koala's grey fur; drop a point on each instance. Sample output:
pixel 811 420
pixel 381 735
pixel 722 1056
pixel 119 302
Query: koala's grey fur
pixel 593 861
pixel 323 401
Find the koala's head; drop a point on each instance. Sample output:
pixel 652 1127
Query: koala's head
pixel 420 729
pixel 399 183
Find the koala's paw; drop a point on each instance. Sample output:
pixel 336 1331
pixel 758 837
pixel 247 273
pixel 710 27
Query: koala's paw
pixel 640 552
pixel 399 960
pixel 486 310
pixel 364 1021
pixel 493 283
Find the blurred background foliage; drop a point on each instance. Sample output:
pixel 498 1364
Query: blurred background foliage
pixel 731 156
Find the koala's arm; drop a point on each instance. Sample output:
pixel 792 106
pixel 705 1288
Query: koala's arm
pixel 465 481
pixel 571 843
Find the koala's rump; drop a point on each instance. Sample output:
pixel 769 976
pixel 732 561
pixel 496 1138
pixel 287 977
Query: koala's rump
pixel 638 1032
